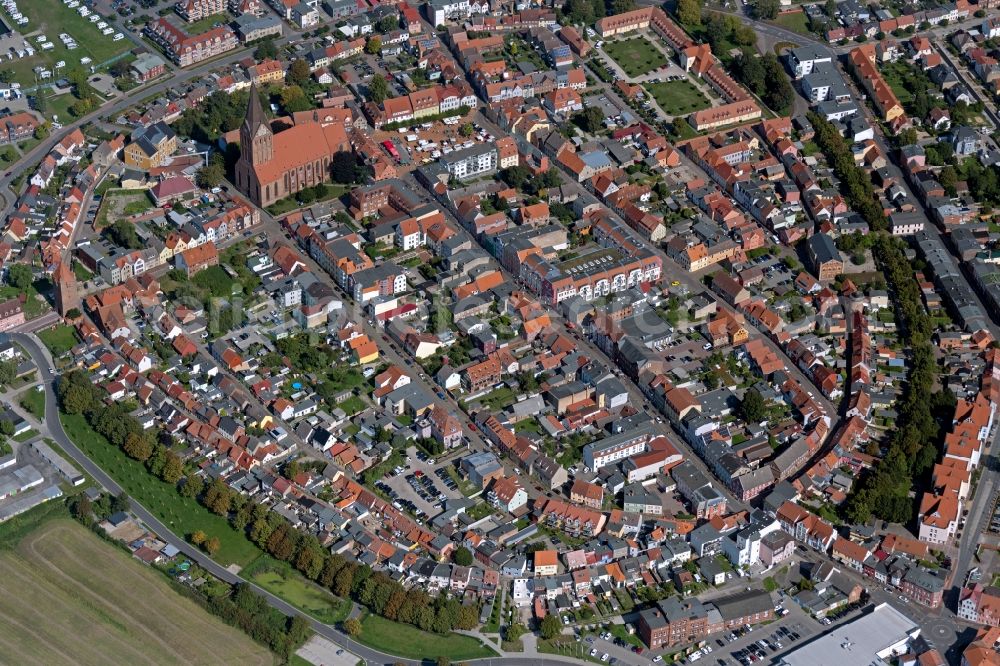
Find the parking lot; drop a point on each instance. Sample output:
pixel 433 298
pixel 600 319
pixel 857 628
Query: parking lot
pixel 421 487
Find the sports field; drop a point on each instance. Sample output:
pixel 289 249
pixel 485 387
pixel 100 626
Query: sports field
pixel 69 598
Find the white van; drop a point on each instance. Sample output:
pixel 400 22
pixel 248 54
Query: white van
pixel 118 37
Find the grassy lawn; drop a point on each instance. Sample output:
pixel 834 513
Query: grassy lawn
pixel 81 272
pixel 34 402
pixel 58 107
pixel 407 641
pixel 205 24
pixel 59 339
pixel 636 56
pixel 31 433
pixel 677 98
pixel 216 280
pixel 280 580
pixel 282 206
pixel 51 17
pixel 901 78
pixel 182 514
pixel 497 399
pixel 353 405
pixel 795 21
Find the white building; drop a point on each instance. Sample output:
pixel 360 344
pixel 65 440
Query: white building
pixel 470 162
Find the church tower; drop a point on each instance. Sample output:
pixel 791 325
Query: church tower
pixel 256 138
pixel 67 293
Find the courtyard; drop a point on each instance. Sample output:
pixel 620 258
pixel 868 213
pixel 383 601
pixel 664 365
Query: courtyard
pixel 678 98
pixel 636 56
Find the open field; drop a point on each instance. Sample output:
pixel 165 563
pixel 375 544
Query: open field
pixel 408 641
pixel 182 514
pixel 677 98
pixel 59 339
pixel 120 203
pixel 636 56
pixel 794 21
pixel 34 402
pixel 278 578
pixel 68 597
pixel 50 18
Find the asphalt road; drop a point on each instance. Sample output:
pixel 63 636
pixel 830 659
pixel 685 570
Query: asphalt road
pixel 39 354
pixel 175 80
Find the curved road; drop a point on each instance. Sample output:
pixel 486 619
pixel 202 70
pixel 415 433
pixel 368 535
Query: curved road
pixel 39 354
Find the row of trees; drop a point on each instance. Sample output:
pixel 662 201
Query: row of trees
pixel 585 12
pixel 249 611
pixel 911 449
pixel 240 606
pixel 265 528
pixel 78 396
pixel 855 184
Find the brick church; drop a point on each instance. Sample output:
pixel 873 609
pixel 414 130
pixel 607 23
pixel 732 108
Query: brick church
pixel 273 166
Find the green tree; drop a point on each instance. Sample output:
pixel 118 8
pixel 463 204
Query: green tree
pixel 298 72
pixel 121 503
pixel 352 627
pixel 753 407
pixel 466 130
pixel 750 71
pixel 462 556
pixel 689 12
pixel 293 99
pixel 550 627
pixel 81 107
pixel 20 276
pixel 138 447
pixel 590 119
pixel 211 175
pixel 173 468
pixel 343 167
pixel 387 23
pixel 579 12
pixel 778 93
pixel 218 497
pixel 198 537
pixel 123 234
pixel 266 50
pixel 765 10
pixel 83 509
pixel 212 546
pixel 378 89
pixel 193 486
pixel 374 45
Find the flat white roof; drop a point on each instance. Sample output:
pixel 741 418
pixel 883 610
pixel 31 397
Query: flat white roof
pixel 869 640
